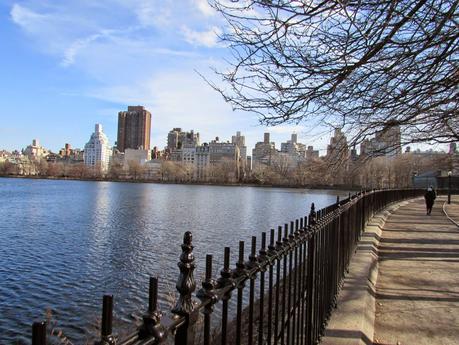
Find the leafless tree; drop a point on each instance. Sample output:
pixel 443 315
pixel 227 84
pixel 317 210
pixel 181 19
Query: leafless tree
pixel 53 170
pixel 282 164
pixel 361 65
pixel 41 167
pixel 264 175
pixel 116 170
pixel 136 170
pixel 80 170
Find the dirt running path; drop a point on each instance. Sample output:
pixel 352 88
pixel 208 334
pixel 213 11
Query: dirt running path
pixel 417 298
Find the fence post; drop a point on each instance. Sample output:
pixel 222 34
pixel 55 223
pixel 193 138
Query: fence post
pixel 264 263
pixel 310 278
pixel 152 319
pixel 207 294
pixel 239 272
pixel 226 279
pixel 106 337
pixel 186 284
pixel 39 333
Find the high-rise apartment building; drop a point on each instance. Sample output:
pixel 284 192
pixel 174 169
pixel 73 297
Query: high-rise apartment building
pixel 293 147
pixel 263 152
pixel 239 141
pixel 97 152
pixel 177 139
pixel 35 151
pixel 338 148
pixel 386 142
pixel 311 153
pixel 134 126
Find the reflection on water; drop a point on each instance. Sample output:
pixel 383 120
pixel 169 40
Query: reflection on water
pixel 66 243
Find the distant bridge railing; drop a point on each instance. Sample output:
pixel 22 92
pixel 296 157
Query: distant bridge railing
pixel 294 278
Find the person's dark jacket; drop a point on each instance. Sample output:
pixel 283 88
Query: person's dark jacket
pixel 430 197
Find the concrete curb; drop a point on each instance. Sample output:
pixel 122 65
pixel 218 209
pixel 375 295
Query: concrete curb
pixel 447 215
pixel 352 323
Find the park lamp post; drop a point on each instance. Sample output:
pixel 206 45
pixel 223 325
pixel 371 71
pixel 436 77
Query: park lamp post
pixel 449 187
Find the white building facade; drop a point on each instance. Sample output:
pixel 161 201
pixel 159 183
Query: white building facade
pixel 97 150
pixel 35 151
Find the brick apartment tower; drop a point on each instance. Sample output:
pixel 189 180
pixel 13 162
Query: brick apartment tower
pixel 134 126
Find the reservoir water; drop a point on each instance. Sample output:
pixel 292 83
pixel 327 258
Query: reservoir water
pixel 63 244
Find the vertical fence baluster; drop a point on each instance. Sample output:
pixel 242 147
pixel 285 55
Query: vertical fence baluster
pixel 272 252
pixel 290 281
pixel 225 279
pixel 304 296
pixel 262 260
pixel 151 320
pixel 207 295
pixel 252 262
pixel 284 283
pixel 208 311
pixel 106 337
pixel 240 269
pixel 39 333
pixel 278 274
pixel 296 288
pixel 311 305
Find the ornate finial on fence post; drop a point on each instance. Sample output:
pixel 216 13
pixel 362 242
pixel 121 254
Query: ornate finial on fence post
pixel 207 295
pixel 263 253
pixel 152 319
pixel 208 286
pixel 272 246
pixel 226 275
pixel 312 215
pixel 185 283
pixel 253 260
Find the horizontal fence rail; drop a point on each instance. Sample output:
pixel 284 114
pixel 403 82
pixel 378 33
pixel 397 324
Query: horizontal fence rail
pixel 290 281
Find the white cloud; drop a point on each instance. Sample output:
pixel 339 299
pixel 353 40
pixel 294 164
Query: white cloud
pixel 133 52
pixel 71 52
pixel 204 7
pixel 179 99
pixel 207 38
pixel 152 14
pixel 26 18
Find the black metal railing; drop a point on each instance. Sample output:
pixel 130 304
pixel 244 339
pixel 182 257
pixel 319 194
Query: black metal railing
pixel 293 283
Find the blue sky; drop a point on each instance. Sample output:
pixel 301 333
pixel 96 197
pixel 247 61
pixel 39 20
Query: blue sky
pixel 66 65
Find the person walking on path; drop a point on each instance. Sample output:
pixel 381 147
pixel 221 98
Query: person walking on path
pixel 430 198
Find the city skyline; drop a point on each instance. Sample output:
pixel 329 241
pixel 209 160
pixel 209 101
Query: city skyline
pixel 80 63
pixel 69 66
pixel 283 138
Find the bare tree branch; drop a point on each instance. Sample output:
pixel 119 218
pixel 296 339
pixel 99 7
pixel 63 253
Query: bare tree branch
pixel 362 65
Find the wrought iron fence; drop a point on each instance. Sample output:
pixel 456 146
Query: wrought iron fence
pixel 294 279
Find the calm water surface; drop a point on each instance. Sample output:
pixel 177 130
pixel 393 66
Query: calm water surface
pixel 63 244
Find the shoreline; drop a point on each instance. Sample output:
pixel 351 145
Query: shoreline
pixel 240 184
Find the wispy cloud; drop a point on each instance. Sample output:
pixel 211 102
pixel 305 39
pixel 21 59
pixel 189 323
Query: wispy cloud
pixel 72 50
pixel 26 18
pixel 204 7
pixel 139 52
pixel 150 13
pixel 208 38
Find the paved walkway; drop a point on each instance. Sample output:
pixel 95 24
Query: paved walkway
pixel 452 210
pixel 417 291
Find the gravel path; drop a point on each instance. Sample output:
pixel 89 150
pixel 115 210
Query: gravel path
pixel 417 292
